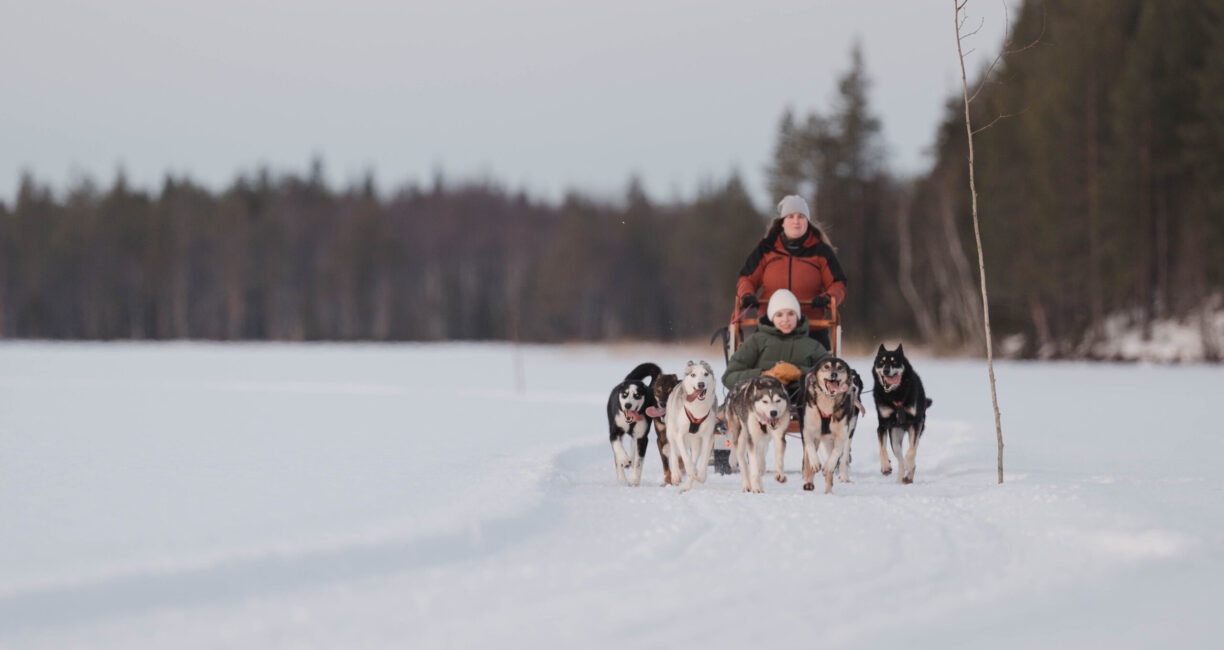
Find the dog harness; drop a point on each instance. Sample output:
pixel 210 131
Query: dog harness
pixel 694 423
pixel 825 418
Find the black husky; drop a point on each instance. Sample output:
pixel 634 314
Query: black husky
pixel 901 404
pixel 627 417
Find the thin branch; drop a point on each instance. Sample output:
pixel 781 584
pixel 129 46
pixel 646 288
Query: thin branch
pixel 1005 50
pixel 981 23
pixel 992 122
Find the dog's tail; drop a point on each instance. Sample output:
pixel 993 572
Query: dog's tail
pixel 930 402
pixel 643 371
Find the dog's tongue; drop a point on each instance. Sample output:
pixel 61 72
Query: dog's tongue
pixel 633 416
pixel 695 396
pixel 893 380
pixel 655 411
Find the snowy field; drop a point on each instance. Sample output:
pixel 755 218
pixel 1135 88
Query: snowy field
pixel 422 496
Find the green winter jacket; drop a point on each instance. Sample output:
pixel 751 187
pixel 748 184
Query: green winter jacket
pixel 767 346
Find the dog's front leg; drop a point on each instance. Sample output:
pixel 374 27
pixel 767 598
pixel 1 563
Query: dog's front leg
pixel 779 441
pixel 834 445
pixel 661 441
pixel 673 458
pixel 844 462
pixel 809 461
pixel 705 442
pixel 885 466
pixel 741 452
pixel 619 458
pixel 686 457
pixel 639 459
pixel 756 462
pixel 911 454
pixel 895 435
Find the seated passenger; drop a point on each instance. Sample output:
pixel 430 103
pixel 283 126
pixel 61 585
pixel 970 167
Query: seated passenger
pixel 780 348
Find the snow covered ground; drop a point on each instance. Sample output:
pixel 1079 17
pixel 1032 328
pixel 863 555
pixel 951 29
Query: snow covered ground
pixel 410 496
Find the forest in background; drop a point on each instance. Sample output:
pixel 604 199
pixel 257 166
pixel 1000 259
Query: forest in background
pixel 1100 173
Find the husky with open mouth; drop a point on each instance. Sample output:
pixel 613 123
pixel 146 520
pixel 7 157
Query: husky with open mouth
pixel 627 419
pixel 692 410
pixel 901 404
pixel 830 408
pixel 757 412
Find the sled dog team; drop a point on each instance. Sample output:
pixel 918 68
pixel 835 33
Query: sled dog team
pixel 685 412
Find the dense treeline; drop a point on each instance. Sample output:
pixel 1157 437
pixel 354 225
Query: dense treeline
pixel 290 259
pixel 1101 180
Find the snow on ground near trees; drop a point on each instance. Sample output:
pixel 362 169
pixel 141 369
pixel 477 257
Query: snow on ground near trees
pixel 409 496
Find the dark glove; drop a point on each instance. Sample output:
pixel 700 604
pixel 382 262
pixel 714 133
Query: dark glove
pixel 820 302
pixel 749 300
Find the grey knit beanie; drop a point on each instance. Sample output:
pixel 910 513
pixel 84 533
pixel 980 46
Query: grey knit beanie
pixel 792 204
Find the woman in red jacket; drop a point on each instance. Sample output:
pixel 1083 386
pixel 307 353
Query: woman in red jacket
pixel 795 254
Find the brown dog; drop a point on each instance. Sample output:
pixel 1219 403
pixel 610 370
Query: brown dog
pixel 662 388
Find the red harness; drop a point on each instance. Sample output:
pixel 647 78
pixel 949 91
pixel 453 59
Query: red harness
pixel 694 423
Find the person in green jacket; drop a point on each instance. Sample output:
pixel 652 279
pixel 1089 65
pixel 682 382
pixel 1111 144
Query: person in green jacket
pixel 780 348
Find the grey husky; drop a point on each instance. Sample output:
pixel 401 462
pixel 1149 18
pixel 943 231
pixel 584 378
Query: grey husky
pixel 758 411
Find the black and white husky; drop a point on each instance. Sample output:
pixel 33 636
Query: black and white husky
pixel 830 408
pixel 692 411
pixel 758 411
pixel 627 419
pixel 901 404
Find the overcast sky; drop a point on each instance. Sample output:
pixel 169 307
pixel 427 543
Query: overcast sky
pixel 543 95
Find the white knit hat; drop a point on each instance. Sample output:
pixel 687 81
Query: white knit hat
pixel 792 204
pixel 782 299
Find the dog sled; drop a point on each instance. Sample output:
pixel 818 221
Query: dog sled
pixel 734 337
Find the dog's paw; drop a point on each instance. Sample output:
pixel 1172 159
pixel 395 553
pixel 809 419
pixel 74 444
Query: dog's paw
pixel 907 480
pixel 781 478
pixel 626 463
pixel 886 471
pixel 758 490
pixel 809 486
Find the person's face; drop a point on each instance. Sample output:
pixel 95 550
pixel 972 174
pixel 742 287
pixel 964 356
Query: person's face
pixel 786 320
pixel 794 225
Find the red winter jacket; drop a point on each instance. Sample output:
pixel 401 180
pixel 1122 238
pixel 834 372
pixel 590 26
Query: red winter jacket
pixel 812 270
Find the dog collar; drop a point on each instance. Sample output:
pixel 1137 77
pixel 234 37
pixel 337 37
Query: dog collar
pixel 898 403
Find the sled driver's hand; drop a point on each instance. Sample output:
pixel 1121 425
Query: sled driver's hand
pixel 749 300
pixel 820 302
pixel 784 372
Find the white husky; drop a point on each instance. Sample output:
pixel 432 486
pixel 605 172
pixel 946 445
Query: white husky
pixel 691 415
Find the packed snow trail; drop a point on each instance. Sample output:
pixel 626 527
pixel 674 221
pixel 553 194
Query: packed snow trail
pixel 327 496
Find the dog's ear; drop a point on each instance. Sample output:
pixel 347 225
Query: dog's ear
pixel 881 350
pixel 899 349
